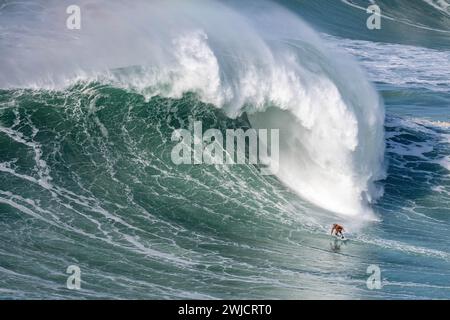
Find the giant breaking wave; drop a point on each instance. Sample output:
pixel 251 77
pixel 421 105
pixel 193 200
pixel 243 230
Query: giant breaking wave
pixel 262 60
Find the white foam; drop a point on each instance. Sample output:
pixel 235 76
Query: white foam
pixel 401 65
pixel 444 162
pixel 399 246
pixel 416 149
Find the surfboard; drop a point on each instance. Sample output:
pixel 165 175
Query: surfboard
pixel 341 238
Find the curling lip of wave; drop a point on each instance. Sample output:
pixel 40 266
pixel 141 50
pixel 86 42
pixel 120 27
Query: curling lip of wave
pixel 333 145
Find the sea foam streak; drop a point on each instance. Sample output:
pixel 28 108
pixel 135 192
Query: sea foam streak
pixel 331 119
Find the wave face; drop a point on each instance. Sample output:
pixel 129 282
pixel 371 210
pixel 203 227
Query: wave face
pixel 332 138
pixel 86 177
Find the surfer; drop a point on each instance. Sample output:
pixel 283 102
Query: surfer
pixel 337 230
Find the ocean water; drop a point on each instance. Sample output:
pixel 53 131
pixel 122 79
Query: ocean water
pixel 86 177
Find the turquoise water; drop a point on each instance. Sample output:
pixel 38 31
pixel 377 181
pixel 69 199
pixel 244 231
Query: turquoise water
pixel 86 176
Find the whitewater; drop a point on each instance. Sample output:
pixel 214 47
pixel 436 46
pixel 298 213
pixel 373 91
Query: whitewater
pixel 86 118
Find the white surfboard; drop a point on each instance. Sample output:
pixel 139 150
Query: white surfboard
pixel 341 238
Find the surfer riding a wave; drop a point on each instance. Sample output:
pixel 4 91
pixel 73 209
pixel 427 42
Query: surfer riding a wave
pixel 337 230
